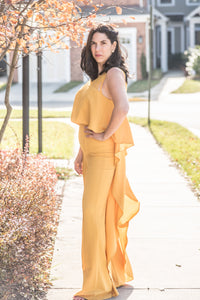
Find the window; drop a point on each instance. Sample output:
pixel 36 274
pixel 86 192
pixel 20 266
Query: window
pixel 165 2
pixel 124 40
pixel 192 2
pixel 197 34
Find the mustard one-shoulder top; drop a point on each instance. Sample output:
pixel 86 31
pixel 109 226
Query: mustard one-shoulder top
pixel 93 109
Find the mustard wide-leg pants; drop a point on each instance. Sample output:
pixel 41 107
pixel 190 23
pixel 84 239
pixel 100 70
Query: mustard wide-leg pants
pixel 98 171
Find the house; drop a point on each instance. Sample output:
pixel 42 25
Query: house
pixel 133 33
pixel 176 28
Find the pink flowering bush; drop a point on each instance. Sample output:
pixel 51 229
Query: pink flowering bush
pixel 29 210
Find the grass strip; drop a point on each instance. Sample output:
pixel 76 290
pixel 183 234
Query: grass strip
pixel 141 86
pixel 188 86
pixel 17 114
pixel 64 173
pixel 2 86
pixel 67 86
pixel 182 145
pixel 58 138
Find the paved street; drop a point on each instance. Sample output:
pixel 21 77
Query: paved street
pixel 181 108
pixel 184 111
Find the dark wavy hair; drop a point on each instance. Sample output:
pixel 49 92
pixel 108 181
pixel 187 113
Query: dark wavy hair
pixel 88 63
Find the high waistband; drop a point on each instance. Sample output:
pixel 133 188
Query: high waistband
pixel 94 147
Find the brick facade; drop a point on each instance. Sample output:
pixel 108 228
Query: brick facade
pixel 76 73
pixel 141 46
pixel 75 58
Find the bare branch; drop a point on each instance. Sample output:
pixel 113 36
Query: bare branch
pixel 8 86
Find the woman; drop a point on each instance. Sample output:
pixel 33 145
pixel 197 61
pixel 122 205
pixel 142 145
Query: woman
pixel 100 109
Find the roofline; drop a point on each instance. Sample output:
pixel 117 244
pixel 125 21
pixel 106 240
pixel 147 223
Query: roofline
pixel 192 13
pixel 119 18
pixel 159 14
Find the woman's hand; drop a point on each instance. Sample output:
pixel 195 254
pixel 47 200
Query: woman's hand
pixel 78 163
pixel 97 136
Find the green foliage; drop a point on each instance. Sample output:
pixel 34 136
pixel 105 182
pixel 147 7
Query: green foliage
pixel 156 74
pixel 193 63
pixel 143 66
pixel 196 65
pixel 29 213
pixel 177 60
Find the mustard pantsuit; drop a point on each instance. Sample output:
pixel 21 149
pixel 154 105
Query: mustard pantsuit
pixel 108 202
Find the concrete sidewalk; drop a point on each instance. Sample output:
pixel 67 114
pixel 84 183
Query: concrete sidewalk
pixel 164 239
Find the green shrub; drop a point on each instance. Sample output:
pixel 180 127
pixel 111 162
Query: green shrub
pixel 143 66
pixel 177 60
pixel 193 63
pixel 28 220
pixel 156 74
pixel 196 65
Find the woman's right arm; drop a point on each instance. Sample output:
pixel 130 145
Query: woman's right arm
pixel 78 163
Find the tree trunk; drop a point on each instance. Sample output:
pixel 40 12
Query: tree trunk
pixel 7 93
pixel 8 86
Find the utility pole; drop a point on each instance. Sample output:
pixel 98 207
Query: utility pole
pixel 150 61
pixel 25 99
pixel 39 97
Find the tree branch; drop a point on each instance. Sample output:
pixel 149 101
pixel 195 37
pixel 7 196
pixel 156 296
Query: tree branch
pixel 8 86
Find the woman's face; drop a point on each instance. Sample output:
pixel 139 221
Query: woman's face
pixel 101 47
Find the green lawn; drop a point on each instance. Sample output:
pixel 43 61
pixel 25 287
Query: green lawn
pixel 141 86
pixel 68 86
pixel 58 138
pixel 2 86
pixel 189 86
pixel 182 145
pixel 17 113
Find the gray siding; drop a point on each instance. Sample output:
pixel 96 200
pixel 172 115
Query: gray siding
pixel 180 7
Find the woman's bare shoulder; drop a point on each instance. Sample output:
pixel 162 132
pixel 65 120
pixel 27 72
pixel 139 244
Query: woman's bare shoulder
pixel 115 77
pixel 114 73
pixel 114 83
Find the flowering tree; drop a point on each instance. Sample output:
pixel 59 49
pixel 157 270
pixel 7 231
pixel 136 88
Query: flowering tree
pixel 193 63
pixel 31 26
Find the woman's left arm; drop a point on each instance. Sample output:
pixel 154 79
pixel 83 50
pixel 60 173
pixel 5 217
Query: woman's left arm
pixel 116 87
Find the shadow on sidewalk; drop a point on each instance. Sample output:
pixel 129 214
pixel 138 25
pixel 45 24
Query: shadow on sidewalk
pixel 124 292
